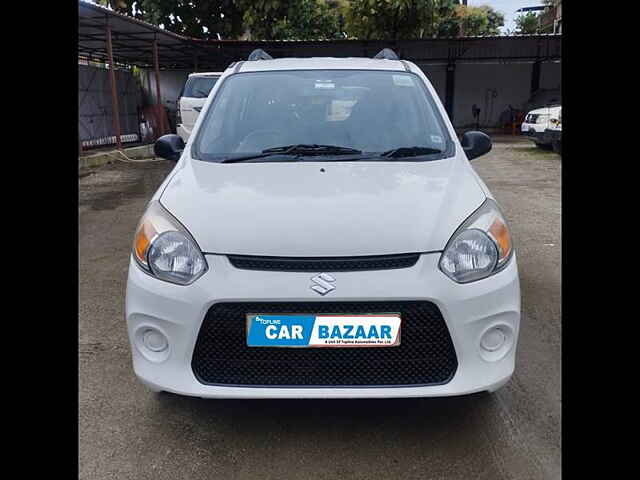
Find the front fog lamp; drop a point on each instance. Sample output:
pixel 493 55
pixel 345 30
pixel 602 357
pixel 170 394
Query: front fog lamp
pixel 164 248
pixel 479 248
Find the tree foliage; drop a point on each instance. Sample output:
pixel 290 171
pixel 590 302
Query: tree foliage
pixel 395 19
pixel 527 24
pixel 294 20
pixel 192 18
pixel 315 19
pixel 477 21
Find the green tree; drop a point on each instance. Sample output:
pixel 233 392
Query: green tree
pixel 314 19
pixel 293 20
pixel 264 19
pixel 496 20
pixel 395 19
pixel 193 18
pixel 476 21
pixel 527 24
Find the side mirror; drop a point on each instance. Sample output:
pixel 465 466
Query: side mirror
pixel 169 147
pixel 475 144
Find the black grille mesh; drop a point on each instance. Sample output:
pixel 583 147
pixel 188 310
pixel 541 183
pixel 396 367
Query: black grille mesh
pixel 324 264
pixel 426 355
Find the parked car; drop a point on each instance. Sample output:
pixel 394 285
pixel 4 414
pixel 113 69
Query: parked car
pixel 553 134
pixel 191 100
pixel 323 235
pixel 543 97
pixel 537 122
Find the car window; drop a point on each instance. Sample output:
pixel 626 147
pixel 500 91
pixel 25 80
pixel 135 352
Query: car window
pixel 199 87
pixel 371 111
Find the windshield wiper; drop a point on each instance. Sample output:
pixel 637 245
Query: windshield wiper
pixel 295 151
pixel 299 150
pixel 401 152
pixel 253 156
pixel 313 149
pixel 409 152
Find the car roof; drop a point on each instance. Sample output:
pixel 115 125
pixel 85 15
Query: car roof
pixel 545 109
pixel 205 74
pixel 320 63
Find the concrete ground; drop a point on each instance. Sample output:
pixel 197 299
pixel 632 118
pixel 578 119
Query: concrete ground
pixel 128 432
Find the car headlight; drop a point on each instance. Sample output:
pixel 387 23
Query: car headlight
pixel 165 249
pixel 479 248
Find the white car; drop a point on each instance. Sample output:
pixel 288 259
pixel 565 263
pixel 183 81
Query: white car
pixel 323 235
pixel 537 121
pixel 191 100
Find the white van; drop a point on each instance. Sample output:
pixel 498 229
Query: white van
pixel 539 120
pixel 323 235
pixel 191 100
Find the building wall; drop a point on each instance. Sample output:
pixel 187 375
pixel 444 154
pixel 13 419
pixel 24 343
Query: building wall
pixel 551 75
pixel 95 110
pixel 437 75
pixel 492 87
pixel 171 82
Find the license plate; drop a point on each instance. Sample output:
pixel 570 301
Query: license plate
pixel 316 331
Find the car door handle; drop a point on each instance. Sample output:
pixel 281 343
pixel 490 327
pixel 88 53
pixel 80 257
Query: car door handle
pixel 197 109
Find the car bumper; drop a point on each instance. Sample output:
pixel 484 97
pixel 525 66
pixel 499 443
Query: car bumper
pixel 469 310
pixel 552 135
pixel 533 131
pixel 183 132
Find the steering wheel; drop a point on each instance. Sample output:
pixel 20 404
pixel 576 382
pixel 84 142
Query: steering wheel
pixel 261 139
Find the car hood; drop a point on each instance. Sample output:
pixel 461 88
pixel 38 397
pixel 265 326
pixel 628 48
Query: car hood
pixel 318 209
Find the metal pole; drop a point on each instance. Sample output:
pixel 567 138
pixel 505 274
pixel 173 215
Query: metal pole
pixel 156 68
pixel 114 93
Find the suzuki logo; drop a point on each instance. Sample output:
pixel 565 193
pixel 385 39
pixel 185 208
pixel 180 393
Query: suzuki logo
pixel 322 285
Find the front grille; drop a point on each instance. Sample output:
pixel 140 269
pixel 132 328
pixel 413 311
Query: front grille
pixel 328 264
pixel 426 355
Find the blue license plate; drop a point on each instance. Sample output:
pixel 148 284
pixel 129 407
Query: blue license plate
pixel 326 330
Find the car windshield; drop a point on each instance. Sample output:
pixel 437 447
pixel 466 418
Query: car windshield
pixel 199 87
pixel 326 114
